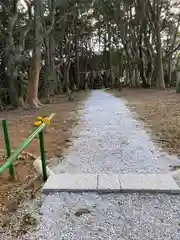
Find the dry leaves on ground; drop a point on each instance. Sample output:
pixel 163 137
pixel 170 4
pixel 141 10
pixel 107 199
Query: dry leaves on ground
pixel 160 110
pixel 56 140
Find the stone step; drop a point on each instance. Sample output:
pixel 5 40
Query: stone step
pixel 147 183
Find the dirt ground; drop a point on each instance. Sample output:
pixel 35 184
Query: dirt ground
pixel 20 125
pixel 160 110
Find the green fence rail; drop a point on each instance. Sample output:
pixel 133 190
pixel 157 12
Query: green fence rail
pixel 12 157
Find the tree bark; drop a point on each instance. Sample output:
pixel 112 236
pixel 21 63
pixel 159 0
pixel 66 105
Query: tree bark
pixel 33 81
pixel 160 80
pixel 34 71
pixel 77 56
pixel 178 82
pixel 169 72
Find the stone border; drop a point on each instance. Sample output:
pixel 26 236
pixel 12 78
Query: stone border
pixel 115 183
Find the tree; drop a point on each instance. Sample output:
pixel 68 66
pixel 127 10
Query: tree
pixel 51 46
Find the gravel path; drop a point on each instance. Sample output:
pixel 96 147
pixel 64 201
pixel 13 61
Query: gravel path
pixel 109 140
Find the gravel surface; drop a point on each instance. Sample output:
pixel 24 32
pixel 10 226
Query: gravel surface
pixel 123 217
pixel 109 140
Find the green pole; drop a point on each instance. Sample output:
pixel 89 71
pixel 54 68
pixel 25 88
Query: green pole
pixel 43 155
pixel 8 147
pixel 16 153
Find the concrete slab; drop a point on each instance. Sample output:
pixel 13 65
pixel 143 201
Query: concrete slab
pixel 152 183
pixel 158 183
pixel 108 183
pixel 66 182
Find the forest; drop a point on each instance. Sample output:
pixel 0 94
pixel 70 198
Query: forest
pixel 51 47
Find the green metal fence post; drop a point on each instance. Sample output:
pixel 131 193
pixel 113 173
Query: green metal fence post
pixel 43 155
pixel 8 147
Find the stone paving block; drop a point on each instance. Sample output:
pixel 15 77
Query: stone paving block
pixel 108 183
pixel 67 182
pixel 148 183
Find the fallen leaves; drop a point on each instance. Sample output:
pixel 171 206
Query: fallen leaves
pixel 160 111
pixel 20 127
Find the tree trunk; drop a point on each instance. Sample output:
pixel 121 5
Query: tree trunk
pixel 77 58
pixel 34 71
pixel 50 83
pixel 150 66
pixel 178 82
pixel 137 77
pixel 141 61
pixel 33 81
pixel 13 91
pixel 133 78
pixel 110 57
pixel 169 72
pixel 68 89
pixel 160 80
pixel 127 76
pixel 10 54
